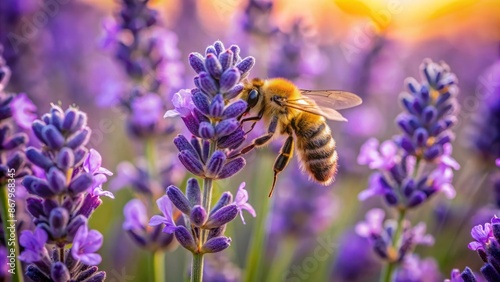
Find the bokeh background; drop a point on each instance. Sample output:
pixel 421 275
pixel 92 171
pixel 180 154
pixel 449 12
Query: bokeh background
pixel 366 47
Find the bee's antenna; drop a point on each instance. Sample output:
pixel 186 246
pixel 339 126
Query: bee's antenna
pixel 274 184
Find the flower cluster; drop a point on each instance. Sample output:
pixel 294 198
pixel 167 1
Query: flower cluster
pixel 381 235
pixel 429 112
pixel 148 53
pixel 151 60
pixel 224 211
pixel 487 244
pixel 211 113
pixel 63 198
pixel 418 163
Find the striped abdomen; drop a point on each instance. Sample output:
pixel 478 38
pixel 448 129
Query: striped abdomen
pixel 316 147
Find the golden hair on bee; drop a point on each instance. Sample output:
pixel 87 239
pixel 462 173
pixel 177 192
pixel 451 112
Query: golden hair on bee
pixel 288 110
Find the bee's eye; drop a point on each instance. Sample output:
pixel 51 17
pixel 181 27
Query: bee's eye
pixel 253 98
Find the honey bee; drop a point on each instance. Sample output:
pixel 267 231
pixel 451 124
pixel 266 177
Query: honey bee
pixel 288 110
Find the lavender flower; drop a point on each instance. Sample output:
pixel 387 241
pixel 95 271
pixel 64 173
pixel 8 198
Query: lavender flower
pixel 63 199
pixel 417 164
pixel 429 112
pixel 151 61
pixel 486 244
pixel 212 118
pixel 484 131
pixel 381 234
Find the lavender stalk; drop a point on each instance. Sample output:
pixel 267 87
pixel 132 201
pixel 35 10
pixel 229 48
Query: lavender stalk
pixel 417 163
pixel 210 112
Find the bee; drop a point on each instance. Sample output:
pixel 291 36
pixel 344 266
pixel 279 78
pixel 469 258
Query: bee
pixel 289 111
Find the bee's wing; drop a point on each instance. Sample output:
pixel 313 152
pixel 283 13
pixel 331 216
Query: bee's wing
pixel 333 99
pixel 325 102
pixel 309 106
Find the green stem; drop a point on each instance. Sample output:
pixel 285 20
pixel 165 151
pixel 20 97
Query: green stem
pixel 197 268
pixel 389 267
pixel 150 155
pixel 197 265
pixel 4 203
pixel 159 266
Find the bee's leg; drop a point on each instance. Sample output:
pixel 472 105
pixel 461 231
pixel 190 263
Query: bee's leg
pixel 286 153
pixel 259 141
pixel 255 119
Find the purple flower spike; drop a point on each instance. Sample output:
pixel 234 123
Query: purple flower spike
pixel 185 238
pixel 178 199
pixel 135 215
pixel 198 216
pixel 498 162
pixel 215 245
pixel 222 216
pixel 85 244
pixel 241 201
pixel 232 167
pixel 166 207
pixel 34 245
pixel 183 104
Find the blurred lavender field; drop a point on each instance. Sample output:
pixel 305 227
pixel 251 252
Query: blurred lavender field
pixel 125 189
